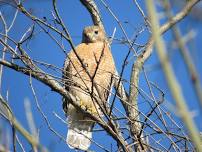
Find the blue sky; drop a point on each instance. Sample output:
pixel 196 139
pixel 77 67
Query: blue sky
pixel 76 17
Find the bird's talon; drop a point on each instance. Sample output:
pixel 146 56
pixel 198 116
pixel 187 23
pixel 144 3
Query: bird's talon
pixel 91 110
pixel 82 105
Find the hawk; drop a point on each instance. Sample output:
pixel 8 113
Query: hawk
pixel 91 64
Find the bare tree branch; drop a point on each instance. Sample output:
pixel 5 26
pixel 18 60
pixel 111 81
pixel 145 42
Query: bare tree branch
pixel 6 112
pixel 171 79
pixel 194 77
pixel 94 12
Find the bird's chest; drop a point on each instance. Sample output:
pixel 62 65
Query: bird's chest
pixel 90 63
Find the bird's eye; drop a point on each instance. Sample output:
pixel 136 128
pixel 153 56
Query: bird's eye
pixel 96 32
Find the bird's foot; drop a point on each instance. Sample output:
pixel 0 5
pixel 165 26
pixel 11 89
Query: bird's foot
pixel 82 105
pixel 92 110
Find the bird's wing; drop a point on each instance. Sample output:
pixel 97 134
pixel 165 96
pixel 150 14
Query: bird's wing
pixel 66 75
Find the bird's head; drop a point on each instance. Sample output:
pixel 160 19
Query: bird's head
pixel 92 34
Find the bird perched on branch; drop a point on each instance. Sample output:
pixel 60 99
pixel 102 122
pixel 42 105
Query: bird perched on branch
pixel 88 72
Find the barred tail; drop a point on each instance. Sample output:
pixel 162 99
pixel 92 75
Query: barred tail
pixel 79 132
pixel 79 139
